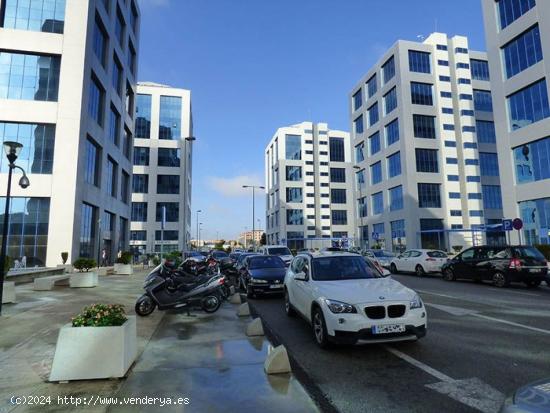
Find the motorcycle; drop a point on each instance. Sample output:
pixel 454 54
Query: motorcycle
pixel 208 267
pixel 168 289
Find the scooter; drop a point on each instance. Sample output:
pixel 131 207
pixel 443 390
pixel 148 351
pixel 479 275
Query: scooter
pixel 190 268
pixel 167 290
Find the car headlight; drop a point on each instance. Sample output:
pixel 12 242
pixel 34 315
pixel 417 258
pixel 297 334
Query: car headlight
pixel 416 302
pixel 339 307
pixel 257 281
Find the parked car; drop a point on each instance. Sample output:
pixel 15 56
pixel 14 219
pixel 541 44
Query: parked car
pixel 501 265
pixel 262 274
pixel 278 250
pixel 419 261
pixel 240 259
pixel 194 255
pixel 531 398
pixel 219 255
pixel 383 257
pixel 347 300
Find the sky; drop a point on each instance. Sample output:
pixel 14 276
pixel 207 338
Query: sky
pixel 256 65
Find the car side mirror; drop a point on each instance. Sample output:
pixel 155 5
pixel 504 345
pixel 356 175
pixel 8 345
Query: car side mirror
pixel 301 276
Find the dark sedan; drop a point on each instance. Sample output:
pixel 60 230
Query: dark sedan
pixel 501 265
pixel 263 274
pixel 532 398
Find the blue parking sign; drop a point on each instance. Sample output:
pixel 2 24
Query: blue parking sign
pixel 375 235
pixel 507 225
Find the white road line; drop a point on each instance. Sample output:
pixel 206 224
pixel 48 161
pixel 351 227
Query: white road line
pixel 513 292
pixel 498 320
pixel 440 295
pixel 431 371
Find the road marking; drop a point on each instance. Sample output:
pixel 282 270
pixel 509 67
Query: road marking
pixel 458 311
pixel 431 371
pixel 498 320
pixel 494 289
pixel 438 294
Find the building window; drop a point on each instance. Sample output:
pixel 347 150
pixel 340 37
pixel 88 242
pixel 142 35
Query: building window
pixel 536 220
pixel 419 61
pixel 172 211
pixel 429 196
pixel 127 143
pixel 442 62
pixel 371 86
pixel 168 184
pixel 169 157
pixel 443 78
pixel 138 235
pixel 337 152
pixel 485 131
pixel 100 41
pixel 465 96
pixel 462 50
pixel 38 142
pixel 114 126
pixel 339 217
pixel 357 99
pixel 467 112
pixel 293 147
pixel 444 94
pixel 166 235
pixel 112 171
pixel 376 173
pixel 141 156
pixel 131 58
pixel 397 229
pixel 96 100
pixel 337 175
pixel 88 230
pixel 441 47
pixel 170 118
pixel 394 165
pixel 373 114
pixel 421 93
pixel 454 195
pixel 360 177
pixel 528 105
pixel 447 111
pixel 468 128
pixel 473 178
pixel 338 196
pixel 390 101
pixel 474 162
pixel 362 207
pixel 143 116
pixel 392 132
pixel 294 217
pixel 426 160
pixel 511 10
pixel 522 52
pixel 294 195
pixel 482 100
pixel 294 173
pixel 492 196
pixel 450 144
pixel 463 81
pixel 456 213
pixel 377 203
pixel 424 126
pixel 116 78
pixel 388 70
pixel 38 15
pixel 374 143
pixel 358 125
pixel 434 238
pixel 29 76
pixel 360 152
pixel 470 145
pixel 133 17
pixel 461 65
pixel 448 126
pixel 93 162
pixel 140 183
pixel 124 187
pixel 479 69
pixel 453 178
pixel 120 27
pixel 476 213
pixel 396 198
pixel 532 161
pixel 378 229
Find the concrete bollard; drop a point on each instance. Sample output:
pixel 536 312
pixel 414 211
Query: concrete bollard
pixel 255 328
pixel 235 299
pixel 243 310
pixel 8 294
pixel 277 361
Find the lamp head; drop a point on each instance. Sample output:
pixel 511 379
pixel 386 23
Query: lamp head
pixel 12 149
pixel 24 182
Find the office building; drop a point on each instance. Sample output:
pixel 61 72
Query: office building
pixel 426 169
pixel 67 88
pixel 249 238
pixel 517 49
pixel 161 181
pixel 308 178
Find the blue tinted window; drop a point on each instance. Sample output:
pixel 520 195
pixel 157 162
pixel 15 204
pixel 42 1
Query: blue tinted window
pixel 388 70
pixel 482 100
pixel 96 100
pixel 360 152
pixel 448 111
pixel 371 86
pixel 528 105
pixel 394 165
pixel 140 183
pixel 429 196
pixel 448 126
pixel 463 81
pixel 339 217
pixel 111 172
pixel 169 157
pixel 511 10
pixel 337 175
pixel 536 220
pixel 100 41
pixel 139 211
pixel 116 76
pixel 441 47
pixel 443 62
pixel 446 94
pixel 360 177
pixel 36 15
pixel 373 114
pixel 480 69
pixel 419 61
pixel 461 65
pixel 465 96
pixel 338 196
pixel 337 152
pixel 471 162
pixel 462 50
pixel 456 213
pixel 476 213
pixel 357 99
pixel 377 203
pixel 470 145
pixel 294 195
pixel 426 160
pixel 473 179
pixel 141 155
pixel 398 228
pixel 119 27
pixel 170 118
pixel 374 143
pixel 454 195
pixel 358 124
pixel 392 132
pixel 143 116
pixel 362 207
pixel 293 147
pixel 468 129
pixel 532 161
pixel 294 217
pixel 376 173
pixel 172 211
pixel 88 230
pixel 114 126
pixel 421 93
pixel 451 161
pixel 467 112
pixel 450 144
pixel 378 229
pixel 396 198
pixel 452 178
pixel 293 173
pixel 474 195
pixel 444 78
pixel 522 52
pixel 424 126
pixel 492 196
pixel 390 100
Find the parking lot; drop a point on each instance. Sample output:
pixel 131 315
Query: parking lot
pixel 483 343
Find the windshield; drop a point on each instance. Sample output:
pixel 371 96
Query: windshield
pixel 266 262
pixel 279 251
pixel 242 257
pixel 436 254
pixel 219 254
pixel 342 268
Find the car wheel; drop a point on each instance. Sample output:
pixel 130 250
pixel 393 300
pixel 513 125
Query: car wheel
pixel 288 307
pixel 420 271
pixel 319 328
pixel 393 268
pixel 449 275
pixel 532 283
pixel 500 280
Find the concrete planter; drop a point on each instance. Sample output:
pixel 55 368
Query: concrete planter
pixel 124 269
pixel 67 267
pixel 8 293
pixel 83 279
pixel 84 353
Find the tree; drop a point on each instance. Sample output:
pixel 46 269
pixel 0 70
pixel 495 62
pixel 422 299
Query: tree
pixel 219 244
pixel 263 239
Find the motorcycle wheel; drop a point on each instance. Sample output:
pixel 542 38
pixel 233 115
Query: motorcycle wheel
pixel 210 304
pixel 144 305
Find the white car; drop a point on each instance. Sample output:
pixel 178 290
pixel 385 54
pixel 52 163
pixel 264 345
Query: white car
pixel 347 300
pixel 281 251
pixel 419 261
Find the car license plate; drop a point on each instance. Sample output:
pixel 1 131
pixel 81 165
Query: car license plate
pixel 535 270
pixel 388 329
pixel 275 286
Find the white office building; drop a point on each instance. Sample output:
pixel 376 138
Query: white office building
pixel 67 87
pixel 161 182
pixel 424 147
pixel 518 47
pixel 308 178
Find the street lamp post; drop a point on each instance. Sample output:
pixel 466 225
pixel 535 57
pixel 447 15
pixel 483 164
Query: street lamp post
pixel 198 211
pixel 199 235
pixel 12 149
pixel 186 195
pixel 360 212
pixel 254 187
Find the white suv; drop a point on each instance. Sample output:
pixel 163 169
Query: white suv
pixel 347 300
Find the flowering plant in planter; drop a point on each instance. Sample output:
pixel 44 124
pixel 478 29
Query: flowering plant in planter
pixel 100 315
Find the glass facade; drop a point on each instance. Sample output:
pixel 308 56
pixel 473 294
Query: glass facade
pixel 96 100
pixel 392 132
pixel 421 94
pixel 141 155
pixel 294 217
pixel 536 220
pixel 168 184
pixel 492 196
pixel 143 116
pixel 140 183
pixel 485 131
pixel 419 61
pixel 376 173
pixel 293 145
pixel 488 164
pixel 36 15
pixel 390 101
pixel 337 150
pixel 394 164
pixel 119 27
pixel 388 70
pixel 479 69
pixel 92 163
pixel 111 172
pixel 377 203
pixel 426 160
pixel 100 41
pixel 337 175
pixel 511 10
pixel 360 152
pixel 139 211
pixel 373 114
pixel 169 157
pixel 170 118
pixel 357 99
pixel 532 161
pixel 29 76
pixel 358 126
pixel 522 52
pixel 172 211
pixel 339 217
pixel 114 126
pixel 528 105
pixel 483 100
pixel 362 207
pixel 374 143
pixel 433 237
pixel 88 230
pixel 38 142
pixel 429 195
pixel 396 198
pixel 294 195
pixel 338 196
pixel 293 173
pixel 371 86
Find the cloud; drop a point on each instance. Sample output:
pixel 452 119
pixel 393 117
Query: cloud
pixel 233 187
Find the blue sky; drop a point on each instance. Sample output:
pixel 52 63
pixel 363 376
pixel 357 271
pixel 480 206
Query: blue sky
pixel 255 65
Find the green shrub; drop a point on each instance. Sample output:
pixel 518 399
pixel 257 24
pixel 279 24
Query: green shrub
pixel 125 258
pixel 156 260
pixel 100 315
pixel 544 249
pixel 457 248
pixel 83 264
pixel 64 257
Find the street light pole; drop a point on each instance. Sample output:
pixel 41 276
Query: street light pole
pixel 254 187
pixel 198 211
pixel 199 235
pixel 186 196
pixel 12 149
pixel 359 210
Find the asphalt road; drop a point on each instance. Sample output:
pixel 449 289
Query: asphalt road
pixel 482 344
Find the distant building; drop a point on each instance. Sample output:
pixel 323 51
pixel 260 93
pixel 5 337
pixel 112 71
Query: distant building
pixel 247 237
